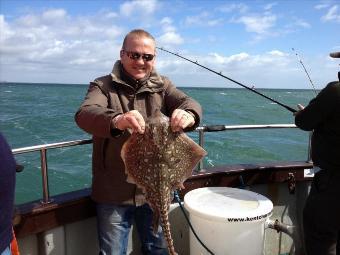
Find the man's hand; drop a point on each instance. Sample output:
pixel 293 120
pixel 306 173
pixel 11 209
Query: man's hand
pixel 300 107
pixel 130 120
pixel 181 119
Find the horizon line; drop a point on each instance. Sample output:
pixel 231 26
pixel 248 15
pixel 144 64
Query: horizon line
pixel 83 84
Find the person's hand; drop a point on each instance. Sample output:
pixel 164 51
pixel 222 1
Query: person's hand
pixel 130 120
pixel 300 107
pixel 181 119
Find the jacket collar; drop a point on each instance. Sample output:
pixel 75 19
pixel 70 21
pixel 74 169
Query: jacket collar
pixel 153 83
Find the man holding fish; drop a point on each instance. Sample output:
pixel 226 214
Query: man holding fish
pixel 118 103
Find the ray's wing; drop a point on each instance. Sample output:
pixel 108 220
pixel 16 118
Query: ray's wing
pixel 182 157
pixel 139 160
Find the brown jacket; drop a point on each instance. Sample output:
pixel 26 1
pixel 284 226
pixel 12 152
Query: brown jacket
pixel 107 97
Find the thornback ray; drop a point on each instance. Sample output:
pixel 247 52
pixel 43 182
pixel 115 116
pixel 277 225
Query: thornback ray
pixel 158 162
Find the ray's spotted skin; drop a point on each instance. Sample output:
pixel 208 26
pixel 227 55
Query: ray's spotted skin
pixel 159 161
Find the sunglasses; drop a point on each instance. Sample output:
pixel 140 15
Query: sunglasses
pixel 137 56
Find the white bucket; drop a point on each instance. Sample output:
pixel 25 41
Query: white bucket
pixel 228 221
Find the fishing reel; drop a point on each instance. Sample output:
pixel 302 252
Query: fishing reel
pixel 335 55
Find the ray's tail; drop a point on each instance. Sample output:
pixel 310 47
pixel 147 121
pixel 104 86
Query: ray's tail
pixel 162 217
pixel 167 232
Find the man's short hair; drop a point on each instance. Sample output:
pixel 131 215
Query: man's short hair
pixel 138 33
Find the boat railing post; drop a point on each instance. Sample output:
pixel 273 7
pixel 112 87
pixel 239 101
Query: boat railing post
pixel 201 143
pixel 44 173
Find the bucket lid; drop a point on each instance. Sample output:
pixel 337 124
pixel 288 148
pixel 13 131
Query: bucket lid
pixel 228 204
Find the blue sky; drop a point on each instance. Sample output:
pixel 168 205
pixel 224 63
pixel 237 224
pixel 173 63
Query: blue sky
pixel 249 41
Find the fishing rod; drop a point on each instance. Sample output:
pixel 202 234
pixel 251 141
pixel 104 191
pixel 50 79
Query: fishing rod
pixel 309 159
pixel 220 74
pixel 304 68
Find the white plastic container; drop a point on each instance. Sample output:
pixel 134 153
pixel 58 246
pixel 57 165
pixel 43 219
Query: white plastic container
pixel 229 221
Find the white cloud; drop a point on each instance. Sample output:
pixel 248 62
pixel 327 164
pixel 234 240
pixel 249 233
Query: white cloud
pixel 110 15
pixel 54 15
pixel 57 46
pixel 276 68
pixel 240 61
pixel 229 59
pixel 332 14
pixel 230 8
pixel 166 21
pixel 51 41
pixel 267 24
pixel 138 7
pixel 321 6
pixel 5 30
pixel 269 6
pixel 302 23
pixel 29 20
pixel 203 19
pixel 170 38
pixel 277 53
pixel 258 24
pixel 167 26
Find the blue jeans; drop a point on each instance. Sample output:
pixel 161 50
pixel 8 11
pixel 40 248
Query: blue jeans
pixel 114 223
pixel 7 251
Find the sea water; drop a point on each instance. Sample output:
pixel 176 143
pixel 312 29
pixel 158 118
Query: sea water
pixel 33 114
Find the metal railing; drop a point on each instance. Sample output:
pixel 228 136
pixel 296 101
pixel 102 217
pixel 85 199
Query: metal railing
pixel 43 160
pixel 216 128
pixel 201 130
